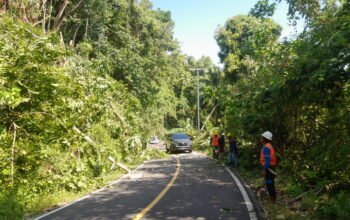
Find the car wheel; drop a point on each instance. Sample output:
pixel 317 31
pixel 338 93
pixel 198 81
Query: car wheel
pixel 190 151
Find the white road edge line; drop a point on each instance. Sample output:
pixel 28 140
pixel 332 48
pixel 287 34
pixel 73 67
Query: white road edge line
pixel 246 198
pixel 87 196
pixel 250 207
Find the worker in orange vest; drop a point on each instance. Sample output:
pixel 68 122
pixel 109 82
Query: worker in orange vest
pixel 214 143
pixel 268 160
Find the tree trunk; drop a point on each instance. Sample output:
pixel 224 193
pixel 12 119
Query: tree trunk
pixel 75 35
pixel 86 27
pixel 60 15
pixel 76 6
pixel 5 5
pixel 44 15
pixel 14 126
pixel 50 13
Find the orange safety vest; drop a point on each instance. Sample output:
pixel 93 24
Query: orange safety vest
pixel 215 141
pixel 273 160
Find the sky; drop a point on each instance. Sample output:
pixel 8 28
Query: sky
pixel 197 20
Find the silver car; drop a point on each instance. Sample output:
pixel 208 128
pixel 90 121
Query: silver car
pixel 178 142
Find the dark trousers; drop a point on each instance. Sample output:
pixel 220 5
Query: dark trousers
pixel 215 152
pixel 270 183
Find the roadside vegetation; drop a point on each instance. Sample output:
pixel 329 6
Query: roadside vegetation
pixel 298 89
pixel 84 84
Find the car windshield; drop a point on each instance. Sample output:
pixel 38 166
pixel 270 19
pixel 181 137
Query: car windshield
pixel 179 136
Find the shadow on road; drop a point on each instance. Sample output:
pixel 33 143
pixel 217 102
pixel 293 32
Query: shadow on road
pixel 202 191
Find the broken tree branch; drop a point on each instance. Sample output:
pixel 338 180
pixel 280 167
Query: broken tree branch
pixel 209 116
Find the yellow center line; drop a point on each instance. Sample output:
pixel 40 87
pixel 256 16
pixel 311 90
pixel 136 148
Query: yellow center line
pixel 160 196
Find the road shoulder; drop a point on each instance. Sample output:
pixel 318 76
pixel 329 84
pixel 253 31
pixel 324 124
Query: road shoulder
pixel 256 205
pixel 260 214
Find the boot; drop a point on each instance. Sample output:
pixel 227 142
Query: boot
pixel 273 199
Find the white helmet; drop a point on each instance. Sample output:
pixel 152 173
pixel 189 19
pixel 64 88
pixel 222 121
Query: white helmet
pixel 267 135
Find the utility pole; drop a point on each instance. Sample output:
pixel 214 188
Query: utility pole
pixel 198 102
pixel 198 115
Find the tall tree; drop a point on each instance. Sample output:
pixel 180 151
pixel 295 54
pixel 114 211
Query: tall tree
pixel 244 39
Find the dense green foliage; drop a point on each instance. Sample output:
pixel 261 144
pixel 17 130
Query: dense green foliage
pixel 299 90
pixel 83 84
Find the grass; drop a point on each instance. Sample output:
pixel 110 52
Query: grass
pixel 57 199
pixel 51 201
pixel 286 191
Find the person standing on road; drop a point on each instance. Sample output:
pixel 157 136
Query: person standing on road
pixel 222 147
pixel 268 160
pixel 214 143
pixel 233 151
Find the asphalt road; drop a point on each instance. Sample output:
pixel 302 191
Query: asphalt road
pixel 185 186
